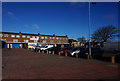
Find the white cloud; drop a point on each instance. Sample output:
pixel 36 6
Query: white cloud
pixel 36 26
pixel 82 4
pixel 12 15
pixel 109 16
pixel 59 0
pixel 8 29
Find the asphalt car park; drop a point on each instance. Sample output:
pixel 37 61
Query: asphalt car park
pixel 27 64
pixel 96 52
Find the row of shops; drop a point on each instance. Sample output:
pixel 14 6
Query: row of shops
pixel 25 45
pixel 14 45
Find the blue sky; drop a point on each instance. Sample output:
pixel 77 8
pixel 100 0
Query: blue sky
pixel 60 18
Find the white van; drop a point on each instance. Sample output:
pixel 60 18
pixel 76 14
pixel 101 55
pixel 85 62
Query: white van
pixel 111 46
pixel 46 47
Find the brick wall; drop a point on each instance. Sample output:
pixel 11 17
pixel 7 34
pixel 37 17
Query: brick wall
pixel 57 39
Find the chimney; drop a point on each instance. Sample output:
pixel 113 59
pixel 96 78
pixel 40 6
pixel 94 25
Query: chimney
pixel 66 35
pixel 20 33
pixel 53 34
pixel 38 33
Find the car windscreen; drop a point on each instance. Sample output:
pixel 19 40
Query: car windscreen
pixel 74 49
pixel 96 49
pixel 46 46
pixel 51 48
pixel 82 49
pixel 66 48
pixel 42 46
pixel 37 46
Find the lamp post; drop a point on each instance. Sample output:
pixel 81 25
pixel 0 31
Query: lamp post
pixel 89 30
pixel 25 42
pixel 89 33
pixel 21 39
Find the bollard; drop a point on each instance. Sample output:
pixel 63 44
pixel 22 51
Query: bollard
pixel 113 59
pixel 59 53
pixel 32 49
pixel 47 51
pixel 39 51
pixel 65 53
pixel 35 50
pixel 88 56
pixel 76 55
pixel 53 52
pixel 42 51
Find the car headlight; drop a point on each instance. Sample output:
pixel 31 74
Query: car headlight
pixel 86 53
pixel 72 53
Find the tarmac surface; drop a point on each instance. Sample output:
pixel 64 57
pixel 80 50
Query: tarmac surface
pixel 26 64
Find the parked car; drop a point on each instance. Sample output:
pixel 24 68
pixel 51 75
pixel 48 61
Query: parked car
pixel 63 50
pixel 111 46
pixel 56 49
pixel 95 52
pixel 29 46
pixel 38 48
pixel 117 57
pixel 46 47
pixel 35 46
pixel 77 50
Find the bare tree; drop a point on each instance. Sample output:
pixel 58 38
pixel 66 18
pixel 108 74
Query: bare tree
pixel 104 33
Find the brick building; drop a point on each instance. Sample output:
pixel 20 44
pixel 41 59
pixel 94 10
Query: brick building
pixel 20 40
pixel 73 43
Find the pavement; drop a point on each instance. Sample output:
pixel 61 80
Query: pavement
pixel 27 64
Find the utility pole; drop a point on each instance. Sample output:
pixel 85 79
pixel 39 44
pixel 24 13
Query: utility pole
pixel 89 30
pixel 25 42
pixel 89 33
pixel 20 38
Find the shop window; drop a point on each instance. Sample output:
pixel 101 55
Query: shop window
pixel 3 39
